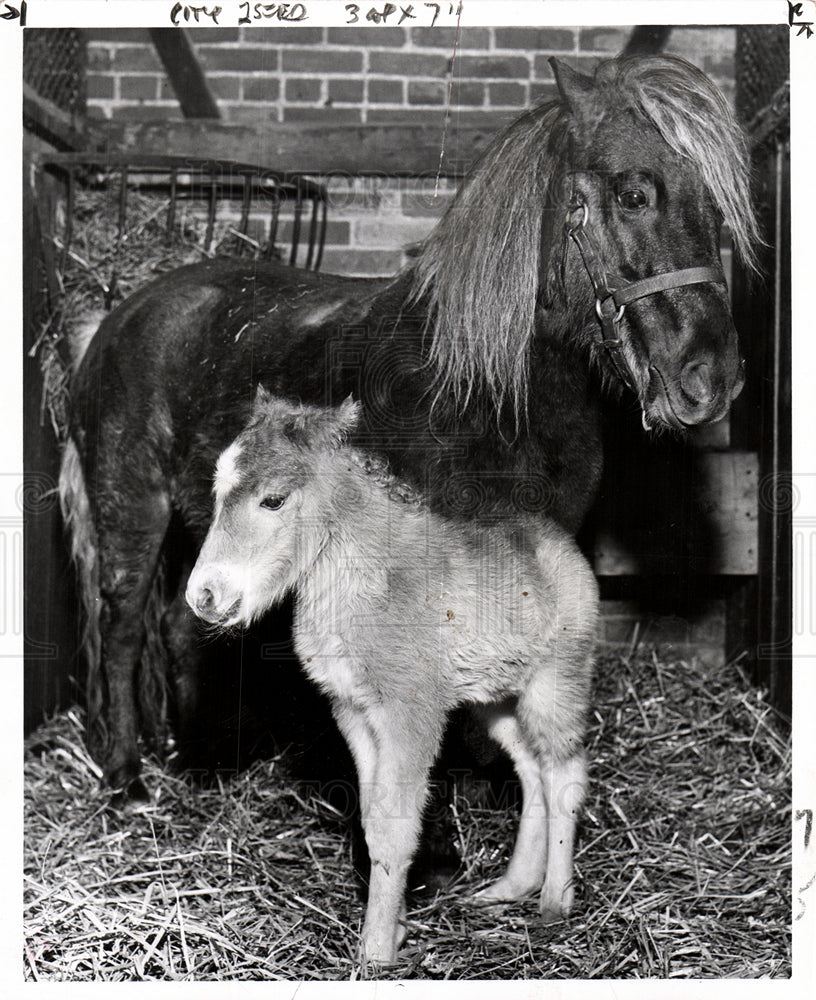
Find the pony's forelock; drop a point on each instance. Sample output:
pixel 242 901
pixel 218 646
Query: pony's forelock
pixel 694 119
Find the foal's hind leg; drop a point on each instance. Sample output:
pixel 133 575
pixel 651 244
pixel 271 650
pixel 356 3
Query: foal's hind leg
pixel 564 788
pixel 551 713
pixel 525 872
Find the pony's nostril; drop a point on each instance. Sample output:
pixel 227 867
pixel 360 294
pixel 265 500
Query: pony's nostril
pixel 695 380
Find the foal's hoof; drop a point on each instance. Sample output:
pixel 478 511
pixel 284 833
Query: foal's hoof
pixel 553 914
pixel 555 903
pixel 502 891
pixel 376 956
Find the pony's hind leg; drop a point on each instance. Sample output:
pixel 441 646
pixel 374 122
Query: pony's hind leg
pixel 525 871
pixel 129 547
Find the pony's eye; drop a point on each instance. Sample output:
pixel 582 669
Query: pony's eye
pixel 273 502
pixel 632 199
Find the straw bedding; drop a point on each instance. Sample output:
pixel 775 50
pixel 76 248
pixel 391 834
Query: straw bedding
pixel 682 863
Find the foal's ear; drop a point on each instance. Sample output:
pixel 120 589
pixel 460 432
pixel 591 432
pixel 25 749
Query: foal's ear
pixel 348 416
pixel 318 427
pixel 578 92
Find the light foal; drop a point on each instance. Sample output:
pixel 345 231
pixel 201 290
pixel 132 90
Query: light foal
pixel 401 615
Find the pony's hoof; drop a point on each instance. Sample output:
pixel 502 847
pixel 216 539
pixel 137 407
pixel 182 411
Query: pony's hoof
pixel 433 870
pixel 130 796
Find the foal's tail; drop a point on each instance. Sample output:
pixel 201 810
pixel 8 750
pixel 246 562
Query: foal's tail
pixel 76 515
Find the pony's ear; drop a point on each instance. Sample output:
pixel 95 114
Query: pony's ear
pixel 262 397
pixel 577 91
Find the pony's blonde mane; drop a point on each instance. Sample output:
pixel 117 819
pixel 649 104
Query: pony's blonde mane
pixel 479 270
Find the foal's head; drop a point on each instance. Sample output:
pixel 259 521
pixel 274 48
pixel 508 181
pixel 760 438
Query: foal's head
pixel 276 490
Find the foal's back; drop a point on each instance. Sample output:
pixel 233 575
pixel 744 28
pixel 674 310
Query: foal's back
pixel 461 612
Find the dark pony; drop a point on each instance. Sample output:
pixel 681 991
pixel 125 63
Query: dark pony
pixel 581 254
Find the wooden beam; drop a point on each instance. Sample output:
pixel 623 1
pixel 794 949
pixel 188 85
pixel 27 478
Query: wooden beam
pixel 62 129
pixel 647 40
pixel 726 491
pixel 382 149
pixel 184 71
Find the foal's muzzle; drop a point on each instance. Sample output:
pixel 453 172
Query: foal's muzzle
pixel 210 603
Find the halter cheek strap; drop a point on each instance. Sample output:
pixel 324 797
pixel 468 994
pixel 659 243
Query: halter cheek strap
pixel 613 293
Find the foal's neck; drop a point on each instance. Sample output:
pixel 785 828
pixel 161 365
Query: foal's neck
pixel 363 503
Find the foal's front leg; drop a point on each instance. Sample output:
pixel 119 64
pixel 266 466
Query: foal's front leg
pixel 394 751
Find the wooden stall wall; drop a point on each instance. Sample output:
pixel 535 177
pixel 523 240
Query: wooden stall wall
pixel 760 612
pixel 54 109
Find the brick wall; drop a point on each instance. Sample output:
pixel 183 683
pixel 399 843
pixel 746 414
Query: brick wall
pixel 369 75
pixel 363 75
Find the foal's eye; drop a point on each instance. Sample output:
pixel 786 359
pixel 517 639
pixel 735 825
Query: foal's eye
pixel 273 502
pixel 632 199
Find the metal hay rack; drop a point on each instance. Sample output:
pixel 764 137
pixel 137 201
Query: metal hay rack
pixel 253 197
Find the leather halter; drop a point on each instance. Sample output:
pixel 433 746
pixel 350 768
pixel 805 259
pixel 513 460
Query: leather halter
pixel 613 293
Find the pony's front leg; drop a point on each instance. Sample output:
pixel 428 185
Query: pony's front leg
pixel 405 749
pixel 182 639
pixel 564 784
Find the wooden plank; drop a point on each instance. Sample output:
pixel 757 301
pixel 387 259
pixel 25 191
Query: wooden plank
pixel 184 71
pixel 49 600
pixel 383 149
pixel 726 496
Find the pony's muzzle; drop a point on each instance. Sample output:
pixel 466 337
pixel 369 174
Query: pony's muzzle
pixel 700 391
pixel 696 383
pixel 698 394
